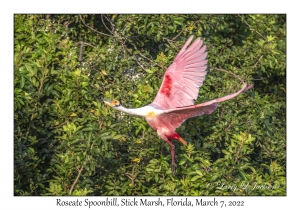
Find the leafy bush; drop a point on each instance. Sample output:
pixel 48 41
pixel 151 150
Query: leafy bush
pixel 67 142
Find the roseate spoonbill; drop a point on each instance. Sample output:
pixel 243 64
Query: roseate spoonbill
pixel 174 102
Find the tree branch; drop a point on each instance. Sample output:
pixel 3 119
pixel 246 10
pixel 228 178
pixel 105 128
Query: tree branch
pixel 252 28
pixel 258 60
pixel 93 29
pixel 223 70
pixel 239 151
pixel 105 25
pixel 75 181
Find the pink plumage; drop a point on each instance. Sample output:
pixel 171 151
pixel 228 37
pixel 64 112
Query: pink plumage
pixel 174 102
pixel 183 78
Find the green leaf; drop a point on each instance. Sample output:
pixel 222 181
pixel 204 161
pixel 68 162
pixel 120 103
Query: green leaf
pixel 182 162
pixel 117 137
pixel 60 168
pixel 195 178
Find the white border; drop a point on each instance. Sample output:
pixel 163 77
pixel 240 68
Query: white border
pixel 134 6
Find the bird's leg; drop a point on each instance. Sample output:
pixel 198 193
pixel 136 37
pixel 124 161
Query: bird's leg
pixel 172 151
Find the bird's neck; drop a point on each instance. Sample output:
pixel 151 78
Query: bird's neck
pixel 142 111
pixel 137 111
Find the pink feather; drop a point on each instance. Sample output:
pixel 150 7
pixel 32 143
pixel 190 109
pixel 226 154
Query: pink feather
pixel 183 78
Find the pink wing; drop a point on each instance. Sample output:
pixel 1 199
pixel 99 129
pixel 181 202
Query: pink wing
pixel 181 82
pixel 179 115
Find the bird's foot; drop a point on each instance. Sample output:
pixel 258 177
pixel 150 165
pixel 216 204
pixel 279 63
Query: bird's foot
pixel 182 141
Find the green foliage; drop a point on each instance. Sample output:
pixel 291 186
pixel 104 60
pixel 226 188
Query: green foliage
pixel 67 142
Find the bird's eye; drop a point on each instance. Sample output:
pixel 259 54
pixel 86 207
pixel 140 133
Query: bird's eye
pixel 116 103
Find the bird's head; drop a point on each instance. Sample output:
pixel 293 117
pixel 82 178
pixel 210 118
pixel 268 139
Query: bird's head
pixel 112 103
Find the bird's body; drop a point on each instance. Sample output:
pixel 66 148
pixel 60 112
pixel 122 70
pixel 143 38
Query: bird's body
pixel 174 102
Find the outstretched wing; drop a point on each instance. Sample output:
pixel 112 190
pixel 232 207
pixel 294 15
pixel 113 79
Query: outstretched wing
pixel 181 82
pixel 178 115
